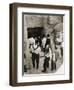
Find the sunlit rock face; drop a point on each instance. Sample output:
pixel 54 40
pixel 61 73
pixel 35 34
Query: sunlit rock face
pixel 54 19
pixel 59 32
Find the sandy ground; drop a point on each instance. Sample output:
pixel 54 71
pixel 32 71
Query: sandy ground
pixel 32 70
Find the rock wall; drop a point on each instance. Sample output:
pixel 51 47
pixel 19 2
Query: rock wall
pixel 34 21
pixel 46 21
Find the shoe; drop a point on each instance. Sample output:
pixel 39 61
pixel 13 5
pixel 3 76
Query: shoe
pixel 36 67
pixel 33 66
pixel 44 71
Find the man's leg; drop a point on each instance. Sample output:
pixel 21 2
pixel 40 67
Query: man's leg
pixel 33 60
pixel 44 66
pixel 37 61
pixel 47 62
pixel 51 65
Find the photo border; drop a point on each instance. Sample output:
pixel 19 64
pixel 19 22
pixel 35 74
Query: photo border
pixel 13 43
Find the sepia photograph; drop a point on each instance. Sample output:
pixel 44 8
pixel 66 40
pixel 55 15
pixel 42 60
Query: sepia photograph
pixel 43 43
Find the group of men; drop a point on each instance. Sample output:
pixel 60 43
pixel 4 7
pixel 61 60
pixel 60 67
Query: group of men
pixel 38 45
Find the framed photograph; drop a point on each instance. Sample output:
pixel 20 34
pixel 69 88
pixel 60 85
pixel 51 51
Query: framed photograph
pixel 40 44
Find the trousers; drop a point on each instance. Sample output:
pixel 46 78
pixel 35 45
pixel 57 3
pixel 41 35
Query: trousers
pixel 46 63
pixel 35 60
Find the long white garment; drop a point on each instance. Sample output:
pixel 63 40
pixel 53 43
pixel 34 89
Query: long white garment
pixel 44 42
pixel 31 40
pixel 49 54
pixel 32 48
pixel 37 49
pixel 31 43
pixel 57 54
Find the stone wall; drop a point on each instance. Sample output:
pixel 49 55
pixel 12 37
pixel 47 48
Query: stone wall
pixel 46 21
pixel 34 21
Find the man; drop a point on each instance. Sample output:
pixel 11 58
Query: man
pixel 47 58
pixel 35 54
pixel 47 40
pixel 43 42
pixel 32 40
pixel 56 56
pixel 39 39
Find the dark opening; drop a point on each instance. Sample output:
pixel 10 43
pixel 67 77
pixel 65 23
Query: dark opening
pixel 37 31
